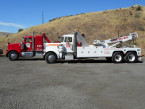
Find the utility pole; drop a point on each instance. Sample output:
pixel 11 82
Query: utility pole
pixel 42 18
pixel 134 2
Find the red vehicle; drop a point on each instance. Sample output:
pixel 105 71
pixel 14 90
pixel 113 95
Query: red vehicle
pixel 30 46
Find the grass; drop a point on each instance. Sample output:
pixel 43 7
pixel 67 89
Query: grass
pixel 101 25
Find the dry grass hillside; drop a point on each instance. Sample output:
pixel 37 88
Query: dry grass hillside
pixel 95 25
pixel 5 34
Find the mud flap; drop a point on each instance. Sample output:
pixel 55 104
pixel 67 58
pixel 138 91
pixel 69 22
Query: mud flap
pixel 140 59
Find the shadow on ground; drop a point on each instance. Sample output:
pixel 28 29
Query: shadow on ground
pixel 73 61
pixel 98 60
pixel 63 61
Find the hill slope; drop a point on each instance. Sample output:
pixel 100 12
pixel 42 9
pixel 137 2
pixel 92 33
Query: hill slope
pixel 5 34
pixel 95 25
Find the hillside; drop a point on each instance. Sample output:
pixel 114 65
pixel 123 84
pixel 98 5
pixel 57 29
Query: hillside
pixel 5 34
pixel 95 25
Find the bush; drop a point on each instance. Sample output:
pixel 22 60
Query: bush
pixel 19 30
pixel 141 28
pixel 139 8
pixel 130 13
pixel 137 15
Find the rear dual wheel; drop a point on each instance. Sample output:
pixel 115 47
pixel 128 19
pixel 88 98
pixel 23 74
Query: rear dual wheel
pixel 117 57
pixel 130 57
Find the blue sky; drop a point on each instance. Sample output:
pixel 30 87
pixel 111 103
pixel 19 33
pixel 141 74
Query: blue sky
pixel 15 14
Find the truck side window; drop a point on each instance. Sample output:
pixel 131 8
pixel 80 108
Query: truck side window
pixel 28 40
pixel 68 39
pixel 62 39
pixel 22 40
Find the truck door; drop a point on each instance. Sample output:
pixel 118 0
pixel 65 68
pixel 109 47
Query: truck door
pixel 28 43
pixel 68 43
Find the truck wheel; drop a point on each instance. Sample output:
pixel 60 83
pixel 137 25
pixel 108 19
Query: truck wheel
pixel 131 57
pixel 50 58
pixel 117 57
pixel 13 56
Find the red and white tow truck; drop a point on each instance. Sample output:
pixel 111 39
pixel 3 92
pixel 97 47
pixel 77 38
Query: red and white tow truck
pixel 74 46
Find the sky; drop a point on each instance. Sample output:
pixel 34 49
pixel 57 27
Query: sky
pixel 15 14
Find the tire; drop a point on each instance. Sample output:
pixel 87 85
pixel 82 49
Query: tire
pixel 109 59
pixel 50 58
pixel 117 57
pixel 131 57
pixel 13 56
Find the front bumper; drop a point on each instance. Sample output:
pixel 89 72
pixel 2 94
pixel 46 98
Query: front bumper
pixel 1 51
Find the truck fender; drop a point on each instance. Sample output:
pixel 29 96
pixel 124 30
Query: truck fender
pixel 11 51
pixel 50 52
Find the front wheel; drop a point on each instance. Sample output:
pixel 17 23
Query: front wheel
pixel 117 57
pixel 13 56
pixel 50 58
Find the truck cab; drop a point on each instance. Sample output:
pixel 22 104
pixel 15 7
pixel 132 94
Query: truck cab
pixel 67 41
pixel 31 46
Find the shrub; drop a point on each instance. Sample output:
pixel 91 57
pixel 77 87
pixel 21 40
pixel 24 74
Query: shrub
pixel 130 13
pixel 137 15
pixel 19 30
pixel 141 28
pixel 139 8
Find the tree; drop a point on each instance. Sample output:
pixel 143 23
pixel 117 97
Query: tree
pixel 20 29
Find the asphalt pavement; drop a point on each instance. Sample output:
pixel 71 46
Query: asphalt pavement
pixel 91 84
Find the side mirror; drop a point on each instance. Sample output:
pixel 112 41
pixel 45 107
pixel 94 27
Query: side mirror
pixel 22 46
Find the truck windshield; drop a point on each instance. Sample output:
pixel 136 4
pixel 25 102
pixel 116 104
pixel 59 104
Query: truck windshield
pixel 68 39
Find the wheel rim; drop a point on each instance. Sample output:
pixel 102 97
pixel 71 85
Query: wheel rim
pixel 131 58
pixel 51 58
pixel 13 56
pixel 118 58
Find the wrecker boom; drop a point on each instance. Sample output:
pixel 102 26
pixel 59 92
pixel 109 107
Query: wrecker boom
pixel 117 41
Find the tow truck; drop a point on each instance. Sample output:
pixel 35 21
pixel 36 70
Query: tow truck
pixel 74 46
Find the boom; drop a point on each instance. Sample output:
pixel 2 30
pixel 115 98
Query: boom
pixel 117 41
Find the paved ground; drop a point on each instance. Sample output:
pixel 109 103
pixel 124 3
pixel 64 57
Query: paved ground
pixel 33 84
